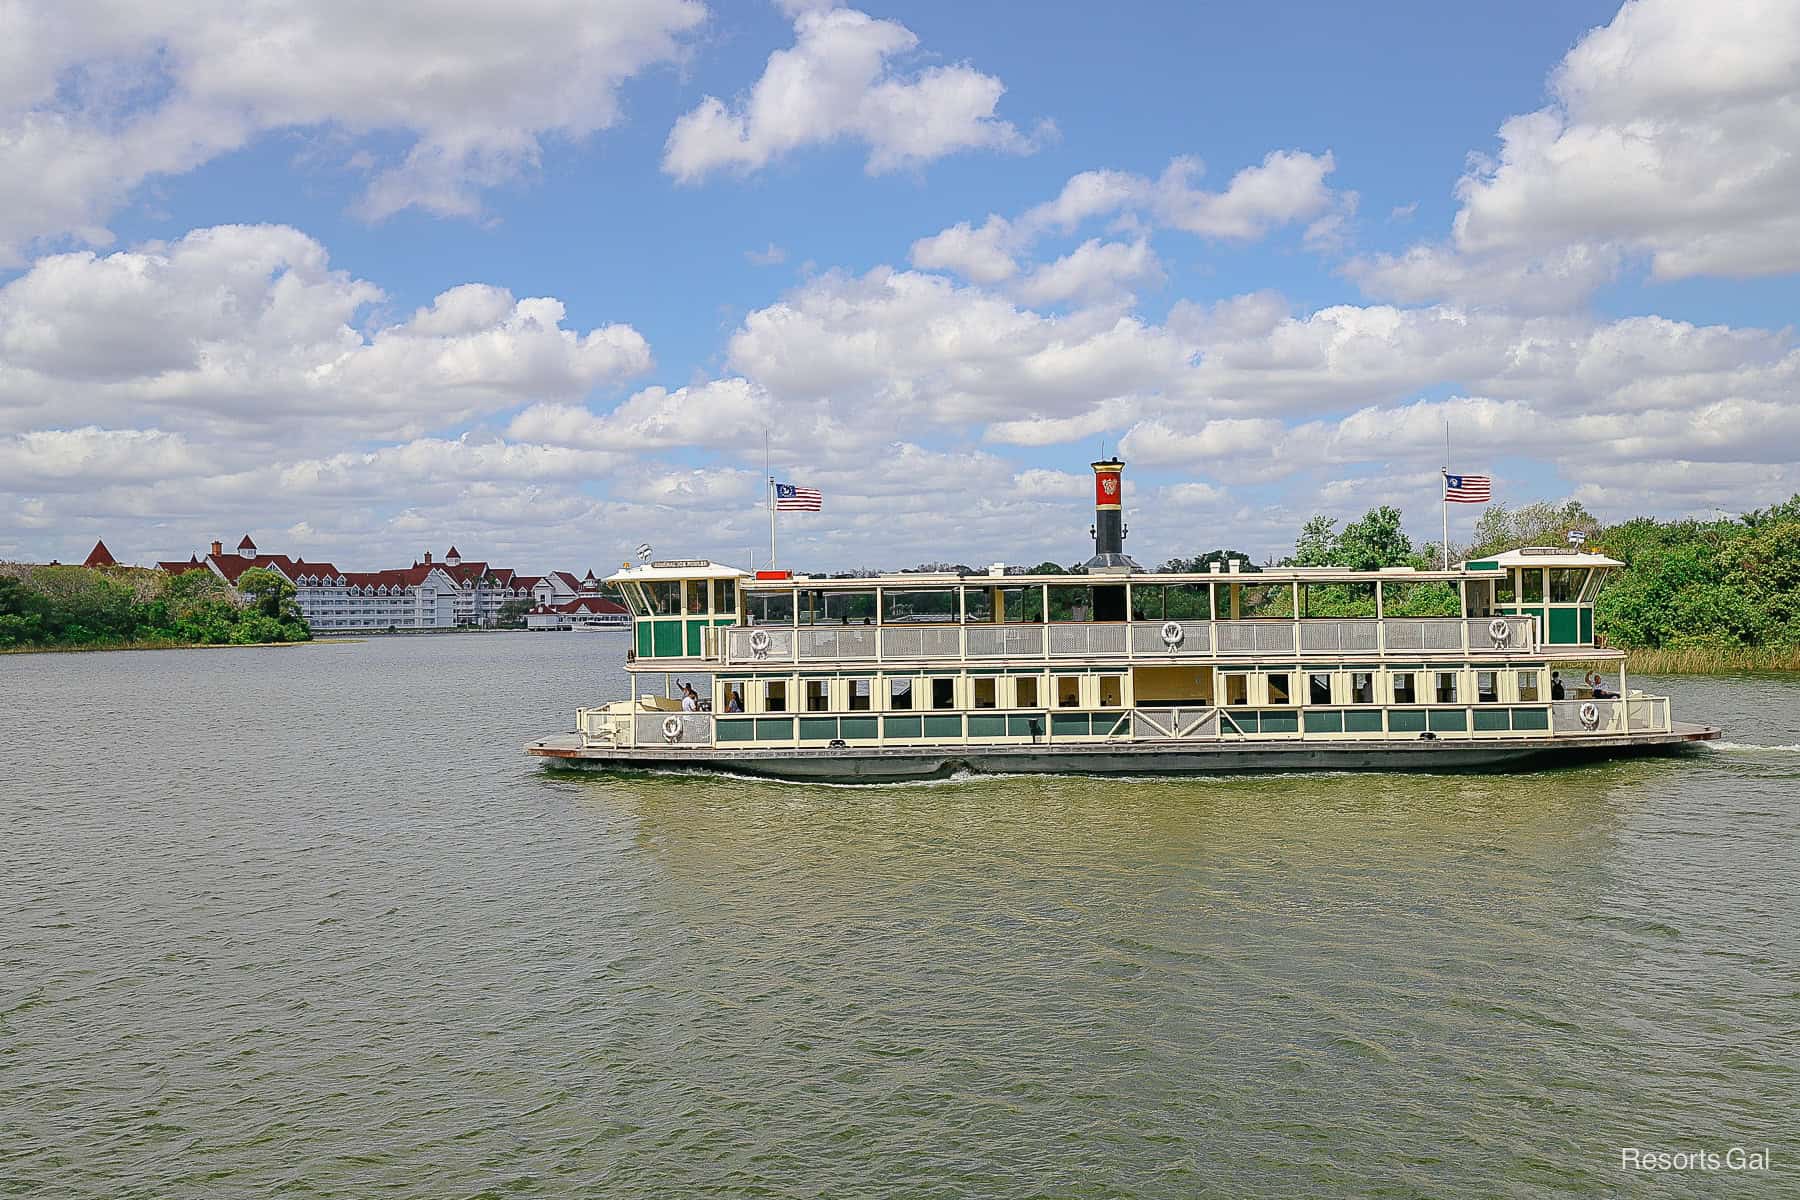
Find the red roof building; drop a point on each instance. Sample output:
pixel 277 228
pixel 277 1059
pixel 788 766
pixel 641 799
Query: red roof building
pixel 100 556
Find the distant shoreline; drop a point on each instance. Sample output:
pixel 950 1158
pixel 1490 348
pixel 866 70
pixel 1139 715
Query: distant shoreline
pixel 361 635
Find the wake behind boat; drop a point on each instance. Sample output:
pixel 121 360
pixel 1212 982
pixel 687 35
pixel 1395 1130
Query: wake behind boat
pixel 1121 670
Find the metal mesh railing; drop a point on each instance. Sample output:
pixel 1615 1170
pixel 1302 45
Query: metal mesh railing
pixel 835 643
pixel 1340 636
pixel 672 729
pixel 1004 641
pixel 1254 637
pixel 1147 638
pixel 922 641
pixel 1424 633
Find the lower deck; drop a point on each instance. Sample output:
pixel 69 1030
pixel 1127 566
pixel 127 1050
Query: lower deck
pixel 844 764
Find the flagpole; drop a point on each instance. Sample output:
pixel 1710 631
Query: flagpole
pixel 1444 492
pixel 771 498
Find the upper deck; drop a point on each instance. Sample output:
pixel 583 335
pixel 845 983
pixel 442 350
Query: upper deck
pixel 699 615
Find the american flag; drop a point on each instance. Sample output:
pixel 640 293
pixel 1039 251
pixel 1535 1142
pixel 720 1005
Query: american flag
pixel 791 497
pixel 1467 489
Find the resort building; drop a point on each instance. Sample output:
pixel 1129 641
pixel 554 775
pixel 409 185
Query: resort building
pixel 430 594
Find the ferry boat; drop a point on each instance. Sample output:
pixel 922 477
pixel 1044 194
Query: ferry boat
pixel 1491 664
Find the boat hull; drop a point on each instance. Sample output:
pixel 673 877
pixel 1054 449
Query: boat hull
pixel 900 764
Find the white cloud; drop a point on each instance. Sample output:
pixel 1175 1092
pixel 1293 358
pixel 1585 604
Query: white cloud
pixel 97 96
pixel 1669 136
pixel 892 346
pixel 983 255
pixel 722 413
pixel 249 329
pixel 839 82
pixel 73 459
pixel 774 256
pixel 1287 186
pixel 1095 270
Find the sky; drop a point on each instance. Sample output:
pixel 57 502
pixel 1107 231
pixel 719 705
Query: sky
pixel 538 278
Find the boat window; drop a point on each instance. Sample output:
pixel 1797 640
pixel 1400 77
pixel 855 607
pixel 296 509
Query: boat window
pixel 1318 688
pixel 1418 599
pixel 1565 584
pixel 1446 687
pixel 1025 693
pixel 818 695
pixel 1347 599
pixel 1280 688
pixel 634 599
pixel 978 604
pixel 664 597
pixel 1237 689
pixel 1147 603
pixel 943 693
pixel 900 697
pixel 1528 686
pixel 1068 691
pixel 821 607
pixel 1591 588
pixel 1266 600
pixel 1112 691
pixel 861 695
pixel 1531 585
pixel 725 597
pixel 696 597
pixel 1071 602
pixel 918 606
pixel 734 697
pixel 1021 605
pixel 986 692
pixel 1505 589
pixel 1362 687
pixel 1487 686
pixel 769 608
pixel 775 695
pixel 1188 601
pixel 1478 596
pixel 1404 688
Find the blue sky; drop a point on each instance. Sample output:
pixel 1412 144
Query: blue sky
pixel 364 283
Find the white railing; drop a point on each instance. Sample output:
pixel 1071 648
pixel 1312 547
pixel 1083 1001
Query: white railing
pixel 1346 636
pixel 1149 639
pixel 833 643
pixel 1087 641
pixel 921 641
pixel 672 729
pixel 1174 724
pixel 1138 639
pixel 1254 637
pixel 1003 641
pixel 1424 633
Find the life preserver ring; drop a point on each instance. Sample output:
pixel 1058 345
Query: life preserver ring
pixel 672 728
pixel 1499 629
pixel 759 641
pixel 1173 633
pixel 1590 714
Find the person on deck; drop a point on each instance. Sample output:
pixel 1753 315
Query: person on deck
pixel 690 699
pixel 1556 685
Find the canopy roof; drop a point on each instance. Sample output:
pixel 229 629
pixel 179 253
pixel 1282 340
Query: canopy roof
pixel 697 568
pixel 1543 556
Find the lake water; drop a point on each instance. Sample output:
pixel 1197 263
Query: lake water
pixel 305 921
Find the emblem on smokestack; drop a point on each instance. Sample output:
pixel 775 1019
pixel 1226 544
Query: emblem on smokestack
pixel 1109 518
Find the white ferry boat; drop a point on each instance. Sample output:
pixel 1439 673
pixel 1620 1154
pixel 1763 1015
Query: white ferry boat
pixel 1119 670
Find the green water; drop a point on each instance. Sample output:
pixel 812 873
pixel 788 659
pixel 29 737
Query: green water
pixel 305 922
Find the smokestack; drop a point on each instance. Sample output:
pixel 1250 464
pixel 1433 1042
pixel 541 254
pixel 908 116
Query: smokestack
pixel 218 549
pixel 1109 518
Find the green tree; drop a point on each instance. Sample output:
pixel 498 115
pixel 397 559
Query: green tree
pixel 1376 540
pixel 511 614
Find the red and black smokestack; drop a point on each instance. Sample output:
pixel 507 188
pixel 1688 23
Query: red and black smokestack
pixel 1109 517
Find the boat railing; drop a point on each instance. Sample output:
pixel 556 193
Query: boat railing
pixel 1636 713
pixel 1174 724
pixel 1153 640
pixel 672 729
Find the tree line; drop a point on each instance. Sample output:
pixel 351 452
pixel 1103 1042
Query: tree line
pixel 47 607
